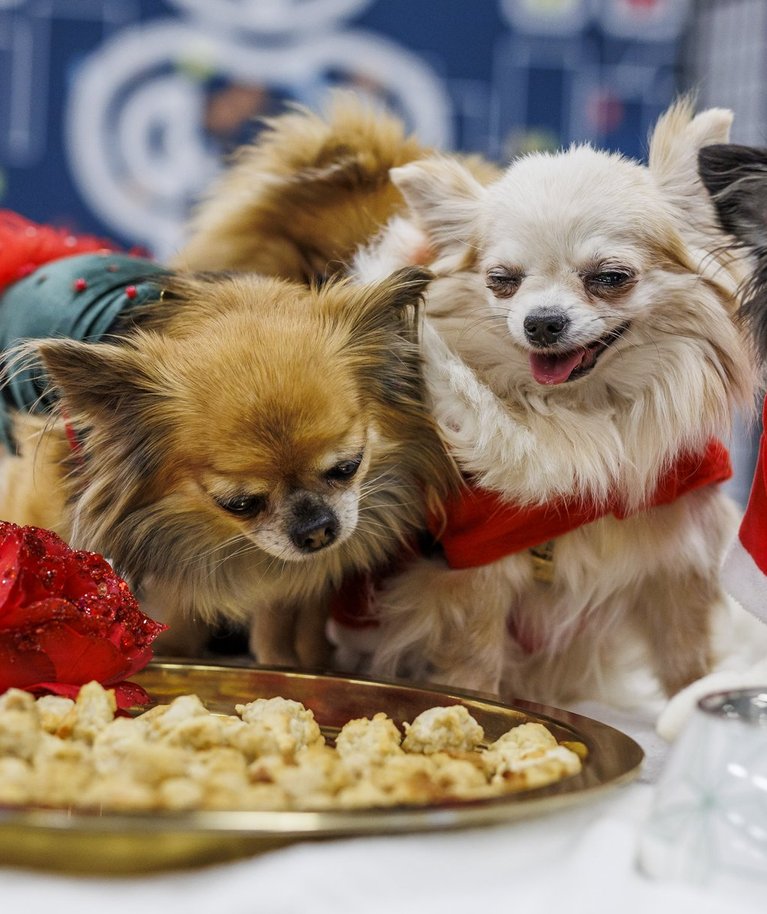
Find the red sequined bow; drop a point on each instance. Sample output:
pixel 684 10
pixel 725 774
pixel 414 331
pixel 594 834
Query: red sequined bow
pixel 66 618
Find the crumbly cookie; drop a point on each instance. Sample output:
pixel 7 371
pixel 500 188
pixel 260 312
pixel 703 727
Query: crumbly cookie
pixel 180 756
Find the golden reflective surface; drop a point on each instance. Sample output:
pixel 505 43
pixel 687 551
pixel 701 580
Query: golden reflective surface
pixel 77 841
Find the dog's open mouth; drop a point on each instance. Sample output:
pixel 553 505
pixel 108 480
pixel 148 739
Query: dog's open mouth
pixel 559 367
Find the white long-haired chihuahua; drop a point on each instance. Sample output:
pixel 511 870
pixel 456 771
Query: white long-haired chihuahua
pixel 582 362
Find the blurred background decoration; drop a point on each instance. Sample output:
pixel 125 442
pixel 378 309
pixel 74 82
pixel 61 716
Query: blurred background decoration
pixel 116 114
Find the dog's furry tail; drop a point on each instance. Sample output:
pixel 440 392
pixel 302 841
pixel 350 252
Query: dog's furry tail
pixel 299 200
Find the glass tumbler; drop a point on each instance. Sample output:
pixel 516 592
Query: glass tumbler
pixel 708 822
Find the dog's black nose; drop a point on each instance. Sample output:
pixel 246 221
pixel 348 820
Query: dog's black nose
pixel 544 328
pixel 315 527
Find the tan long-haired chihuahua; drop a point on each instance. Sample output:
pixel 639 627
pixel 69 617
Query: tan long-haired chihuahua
pixel 240 449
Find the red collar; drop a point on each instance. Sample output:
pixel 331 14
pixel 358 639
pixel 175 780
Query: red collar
pixel 74 442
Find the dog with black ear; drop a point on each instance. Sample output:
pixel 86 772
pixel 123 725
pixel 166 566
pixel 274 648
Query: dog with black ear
pixel 736 178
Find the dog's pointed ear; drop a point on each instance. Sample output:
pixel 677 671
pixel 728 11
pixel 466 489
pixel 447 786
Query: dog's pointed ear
pixel 405 288
pixel 391 305
pixel 445 198
pixel 94 379
pixel 736 178
pixel 675 143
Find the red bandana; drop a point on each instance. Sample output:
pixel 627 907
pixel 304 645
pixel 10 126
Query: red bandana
pixel 481 527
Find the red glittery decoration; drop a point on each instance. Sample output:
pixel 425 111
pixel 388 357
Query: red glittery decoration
pixel 25 245
pixel 25 269
pixel 66 618
pixel 131 292
pixel 80 285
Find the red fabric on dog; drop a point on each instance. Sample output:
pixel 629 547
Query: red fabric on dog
pixel 482 528
pixel 745 566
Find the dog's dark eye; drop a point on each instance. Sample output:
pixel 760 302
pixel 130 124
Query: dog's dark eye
pixel 608 279
pixel 344 470
pixel 502 283
pixel 243 505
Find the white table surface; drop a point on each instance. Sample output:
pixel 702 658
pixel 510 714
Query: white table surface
pixel 581 860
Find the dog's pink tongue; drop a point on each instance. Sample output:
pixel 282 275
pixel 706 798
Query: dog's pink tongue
pixel 554 369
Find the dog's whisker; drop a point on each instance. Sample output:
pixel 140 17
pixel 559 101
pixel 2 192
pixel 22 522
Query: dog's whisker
pixel 224 544
pixel 368 499
pixel 491 322
pixel 369 524
pixel 394 502
pixel 238 553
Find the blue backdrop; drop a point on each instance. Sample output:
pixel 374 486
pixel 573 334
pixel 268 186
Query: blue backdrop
pixel 114 114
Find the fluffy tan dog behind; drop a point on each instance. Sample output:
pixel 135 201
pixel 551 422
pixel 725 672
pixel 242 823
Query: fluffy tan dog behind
pixel 245 444
pixel 300 201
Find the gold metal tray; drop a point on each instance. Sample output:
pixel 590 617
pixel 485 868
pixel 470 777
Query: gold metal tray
pixel 91 843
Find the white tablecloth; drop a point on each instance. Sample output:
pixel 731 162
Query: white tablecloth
pixel 580 860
